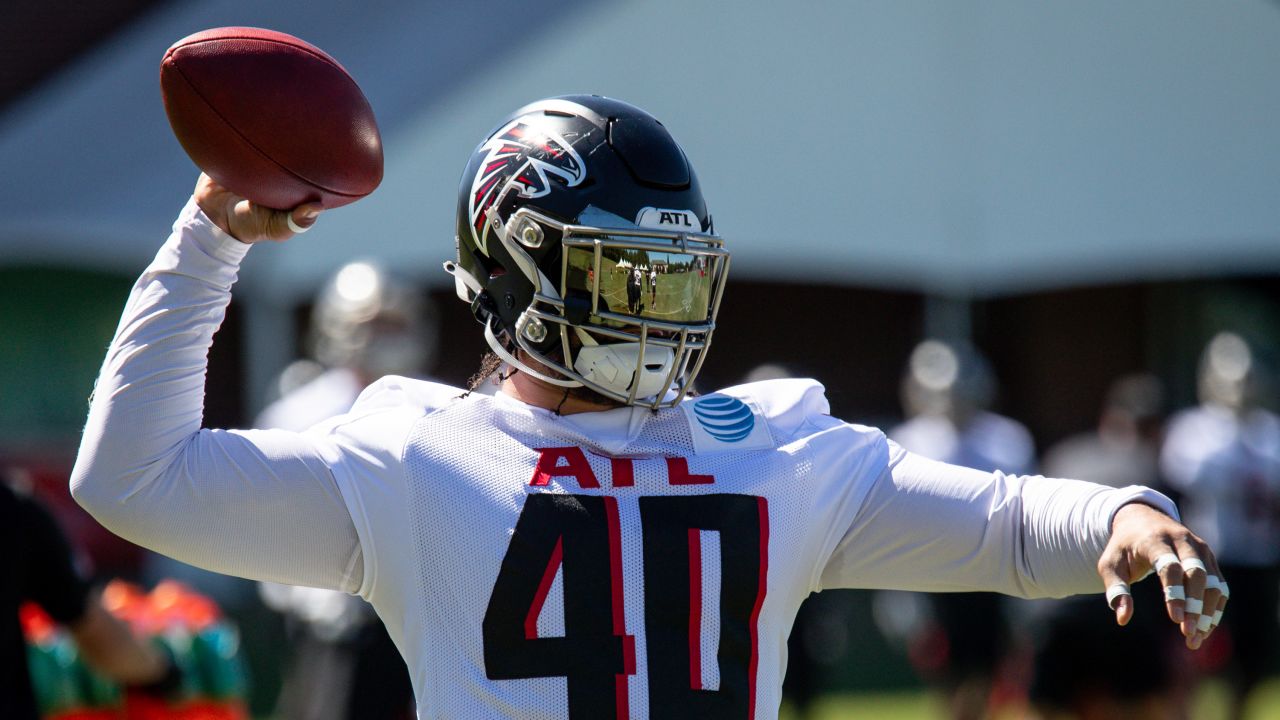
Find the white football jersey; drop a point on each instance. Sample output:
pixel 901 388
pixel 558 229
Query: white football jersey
pixel 642 563
pixel 621 564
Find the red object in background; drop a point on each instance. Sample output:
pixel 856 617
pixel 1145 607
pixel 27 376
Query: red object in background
pixel 108 554
pixel 271 117
pixel 36 624
pixel 187 623
pixel 143 708
pixel 1216 652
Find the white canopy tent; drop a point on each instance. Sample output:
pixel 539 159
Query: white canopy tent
pixel 956 149
pixel 975 149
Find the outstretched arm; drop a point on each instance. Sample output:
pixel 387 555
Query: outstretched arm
pixel 261 504
pixel 929 526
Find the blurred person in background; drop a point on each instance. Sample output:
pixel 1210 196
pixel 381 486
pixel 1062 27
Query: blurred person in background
pixel 366 323
pixel 1140 676
pixel 946 390
pixel 41 567
pixel 1224 457
pixel 1125 447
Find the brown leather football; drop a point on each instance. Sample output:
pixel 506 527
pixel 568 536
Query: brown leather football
pixel 271 117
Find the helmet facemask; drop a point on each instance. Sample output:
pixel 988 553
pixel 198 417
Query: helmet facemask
pixel 630 315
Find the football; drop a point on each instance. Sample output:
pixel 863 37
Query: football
pixel 271 117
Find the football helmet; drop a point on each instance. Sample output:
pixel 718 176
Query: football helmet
pixel 1228 373
pixel 371 320
pixel 949 379
pixel 567 212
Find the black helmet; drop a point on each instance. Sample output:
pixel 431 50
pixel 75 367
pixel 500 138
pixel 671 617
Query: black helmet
pixel 583 240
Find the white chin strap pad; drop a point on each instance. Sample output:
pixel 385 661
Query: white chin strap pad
pixel 613 365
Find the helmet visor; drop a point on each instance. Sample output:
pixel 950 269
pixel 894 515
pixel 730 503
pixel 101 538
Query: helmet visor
pixel 668 286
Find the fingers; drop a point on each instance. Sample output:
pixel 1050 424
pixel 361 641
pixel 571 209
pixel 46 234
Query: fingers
pixel 1142 538
pixel 248 222
pixel 1192 587
pixel 1224 592
pixel 1115 576
pixel 1169 569
pixel 1121 601
pixel 254 223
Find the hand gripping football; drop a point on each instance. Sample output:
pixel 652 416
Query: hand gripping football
pixel 271 117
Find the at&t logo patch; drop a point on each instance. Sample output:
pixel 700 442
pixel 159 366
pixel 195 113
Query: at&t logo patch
pixel 723 423
pixel 725 418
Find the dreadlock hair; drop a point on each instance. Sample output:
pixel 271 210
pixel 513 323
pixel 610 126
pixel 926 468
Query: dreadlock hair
pixel 490 364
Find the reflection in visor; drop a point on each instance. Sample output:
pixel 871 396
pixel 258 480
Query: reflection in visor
pixel 651 284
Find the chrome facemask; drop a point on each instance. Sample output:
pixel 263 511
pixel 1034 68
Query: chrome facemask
pixel 636 306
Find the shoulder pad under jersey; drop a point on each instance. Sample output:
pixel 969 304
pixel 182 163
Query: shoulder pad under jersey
pixel 754 416
pixel 394 391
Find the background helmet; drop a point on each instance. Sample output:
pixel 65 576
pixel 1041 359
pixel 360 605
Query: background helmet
pixel 560 209
pixel 373 321
pixel 1228 374
pixel 947 379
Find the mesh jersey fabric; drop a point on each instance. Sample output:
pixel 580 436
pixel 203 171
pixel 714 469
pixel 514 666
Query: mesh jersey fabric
pixel 469 467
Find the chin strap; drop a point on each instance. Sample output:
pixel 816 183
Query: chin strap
pixel 463 281
pixel 512 360
pixel 466 282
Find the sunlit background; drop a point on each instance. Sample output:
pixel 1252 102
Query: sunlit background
pixel 1082 190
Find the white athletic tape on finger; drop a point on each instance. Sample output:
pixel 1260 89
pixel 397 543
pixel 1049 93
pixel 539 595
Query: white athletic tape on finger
pixel 295 227
pixel 1115 591
pixel 1175 592
pixel 1222 588
pixel 1165 561
pixel 1195 606
pixel 1217 618
pixel 1204 623
pixel 1212 583
pixel 1192 563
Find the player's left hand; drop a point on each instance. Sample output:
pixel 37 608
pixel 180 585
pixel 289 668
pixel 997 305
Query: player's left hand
pixel 1145 539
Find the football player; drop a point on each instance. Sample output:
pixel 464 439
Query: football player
pixel 591 542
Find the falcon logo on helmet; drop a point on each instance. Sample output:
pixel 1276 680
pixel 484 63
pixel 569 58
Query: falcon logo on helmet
pixel 520 155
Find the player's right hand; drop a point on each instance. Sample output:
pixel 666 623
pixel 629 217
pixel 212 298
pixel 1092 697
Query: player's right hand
pixel 250 223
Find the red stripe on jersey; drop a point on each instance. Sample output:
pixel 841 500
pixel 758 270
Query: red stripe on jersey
pixel 548 577
pixel 615 564
pixel 619 614
pixel 763 505
pixel 695 608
